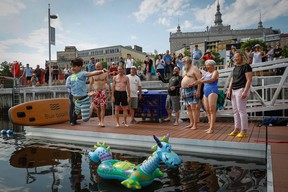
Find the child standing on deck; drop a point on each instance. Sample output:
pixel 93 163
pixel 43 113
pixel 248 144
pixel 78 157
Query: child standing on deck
pixel 79 88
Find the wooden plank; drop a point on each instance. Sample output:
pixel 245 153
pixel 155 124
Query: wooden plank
pixel 254 134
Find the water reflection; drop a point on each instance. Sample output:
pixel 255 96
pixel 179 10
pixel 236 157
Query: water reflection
pixel 71 170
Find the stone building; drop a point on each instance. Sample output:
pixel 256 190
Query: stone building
pixel 107 54
pixel 112 53
pixel 216 33
pixel 65 57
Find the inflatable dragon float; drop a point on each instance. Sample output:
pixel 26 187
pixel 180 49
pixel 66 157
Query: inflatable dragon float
pixel 135 176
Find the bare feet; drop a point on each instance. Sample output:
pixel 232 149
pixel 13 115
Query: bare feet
pixel 117 125
pixel 209 131
pixel 189 126
pixel 193 128
pixel 125 124
pixel 176 124
pixel 167 119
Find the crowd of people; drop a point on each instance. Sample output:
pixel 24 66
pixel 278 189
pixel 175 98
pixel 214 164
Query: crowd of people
pixel 197 88
pixel 39 76
pixel 187 82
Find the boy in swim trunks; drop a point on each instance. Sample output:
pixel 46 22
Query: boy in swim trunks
pixel 79 89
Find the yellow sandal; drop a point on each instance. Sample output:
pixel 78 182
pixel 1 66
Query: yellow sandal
pixel 233 133
pixel 242 135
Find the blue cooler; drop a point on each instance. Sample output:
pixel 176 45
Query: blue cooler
pixel 152 106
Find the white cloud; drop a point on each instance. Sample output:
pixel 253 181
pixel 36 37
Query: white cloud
pixel 11 7
pixel 251 9
pixel 187 25
pixel 56 23
pixel 164 21
pixel 99 2
pixel 160 8
pixel 36 41
pixel 206 16
pixel 242 13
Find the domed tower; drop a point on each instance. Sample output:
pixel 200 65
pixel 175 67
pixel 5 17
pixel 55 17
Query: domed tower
pixel 218 15
pixel 260 24
pixel 178 29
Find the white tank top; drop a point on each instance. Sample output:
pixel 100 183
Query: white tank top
pixel 257 57
pixel 129 63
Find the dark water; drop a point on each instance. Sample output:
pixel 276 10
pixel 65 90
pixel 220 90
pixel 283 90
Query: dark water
pixel 37 165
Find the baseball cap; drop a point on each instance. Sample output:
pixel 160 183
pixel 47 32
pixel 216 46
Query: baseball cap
pixel 133 67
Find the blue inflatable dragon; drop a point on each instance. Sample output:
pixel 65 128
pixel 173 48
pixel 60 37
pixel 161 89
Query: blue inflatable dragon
pixel 135 176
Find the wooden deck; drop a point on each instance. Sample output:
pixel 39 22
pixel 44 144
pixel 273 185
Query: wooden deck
pixel 277 139
pixel 148 128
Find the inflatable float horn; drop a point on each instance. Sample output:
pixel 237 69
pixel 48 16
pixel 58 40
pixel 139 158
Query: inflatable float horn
pixel 168 136
pixel 158 141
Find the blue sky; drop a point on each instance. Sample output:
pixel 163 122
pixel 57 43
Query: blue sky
pixel 89 24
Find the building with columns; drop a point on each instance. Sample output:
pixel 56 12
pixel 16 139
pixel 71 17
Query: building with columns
pixel 218 32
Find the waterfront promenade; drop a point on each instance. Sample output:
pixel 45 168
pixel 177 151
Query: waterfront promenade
pixel 185 141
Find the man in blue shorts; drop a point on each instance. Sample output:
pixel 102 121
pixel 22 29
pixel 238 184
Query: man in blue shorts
pixel 190 91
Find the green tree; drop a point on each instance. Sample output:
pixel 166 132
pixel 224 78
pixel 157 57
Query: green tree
pixel 104 65
pixel 5 69
pixel 217 58
pixel 187 53
pixel 251 43
pixel 138 62
pixel 285 51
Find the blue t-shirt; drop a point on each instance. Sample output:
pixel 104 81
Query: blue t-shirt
pixel 91 66
pixel 180 64
pixel 78 84
pixel 68 83
pixel 196 54
pixel 28 71
pixel 167 59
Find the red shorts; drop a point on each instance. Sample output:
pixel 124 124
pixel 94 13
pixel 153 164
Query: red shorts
pixel 100 98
